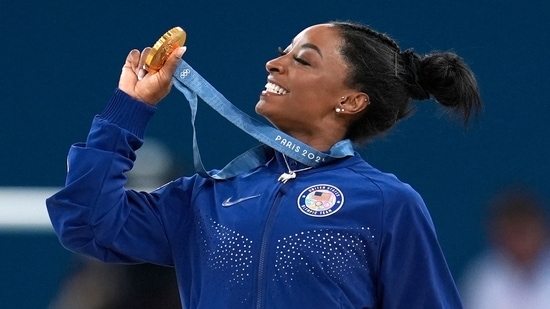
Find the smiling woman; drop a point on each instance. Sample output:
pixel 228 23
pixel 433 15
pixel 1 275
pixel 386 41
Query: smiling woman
pixel 341 234
pixel 311 73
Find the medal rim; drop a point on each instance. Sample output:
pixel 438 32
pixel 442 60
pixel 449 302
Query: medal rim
pixel 154 59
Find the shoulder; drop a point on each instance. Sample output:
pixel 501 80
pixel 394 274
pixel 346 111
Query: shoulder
pixel 398 201
pixel 389 185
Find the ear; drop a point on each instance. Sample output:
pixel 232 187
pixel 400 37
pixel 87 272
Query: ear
pixel 354 103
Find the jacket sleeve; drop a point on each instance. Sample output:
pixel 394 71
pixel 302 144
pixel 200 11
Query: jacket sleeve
pixel 413 271
pixel 94 214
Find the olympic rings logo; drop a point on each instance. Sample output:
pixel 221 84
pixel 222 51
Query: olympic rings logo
pixel 184 73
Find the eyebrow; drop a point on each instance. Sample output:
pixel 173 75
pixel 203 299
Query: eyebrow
pixel 314 47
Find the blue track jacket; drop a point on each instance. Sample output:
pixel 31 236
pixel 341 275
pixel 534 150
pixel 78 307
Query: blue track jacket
pixel 343 235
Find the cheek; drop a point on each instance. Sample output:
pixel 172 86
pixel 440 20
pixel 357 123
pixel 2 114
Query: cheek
pixel 330 86
pixel 322 95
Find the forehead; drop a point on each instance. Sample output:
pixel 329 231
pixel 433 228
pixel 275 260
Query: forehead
pixel 324 36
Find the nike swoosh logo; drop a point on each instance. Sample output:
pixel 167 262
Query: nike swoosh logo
pixel 228 202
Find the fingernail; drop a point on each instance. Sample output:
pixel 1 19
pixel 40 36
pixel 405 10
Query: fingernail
pixel 141 74
pixel 181 51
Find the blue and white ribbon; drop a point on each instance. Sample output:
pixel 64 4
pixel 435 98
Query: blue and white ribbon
pixel 192 84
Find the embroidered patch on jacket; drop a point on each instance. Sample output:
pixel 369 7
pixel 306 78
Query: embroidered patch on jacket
pixel 320 200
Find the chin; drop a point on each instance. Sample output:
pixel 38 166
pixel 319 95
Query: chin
pixel 267 111
pixel 258 108
pixel 261 108
pixel 261 111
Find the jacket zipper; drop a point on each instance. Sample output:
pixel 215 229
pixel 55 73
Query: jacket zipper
pixel 264 246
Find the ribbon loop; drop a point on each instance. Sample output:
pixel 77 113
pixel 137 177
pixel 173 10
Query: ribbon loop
pixel 192 84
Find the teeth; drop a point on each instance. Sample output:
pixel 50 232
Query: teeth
pixel 271 87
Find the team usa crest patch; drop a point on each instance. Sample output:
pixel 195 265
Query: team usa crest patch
pixel 320 200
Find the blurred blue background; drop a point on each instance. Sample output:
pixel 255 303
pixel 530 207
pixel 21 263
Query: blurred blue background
pixel 61 61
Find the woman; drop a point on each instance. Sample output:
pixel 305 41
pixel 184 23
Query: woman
pixel 342 235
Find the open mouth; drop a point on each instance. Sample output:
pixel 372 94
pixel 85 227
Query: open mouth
pixel 273 88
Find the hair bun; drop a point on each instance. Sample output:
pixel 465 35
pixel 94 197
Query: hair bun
pixel 450 81
pixel 413 77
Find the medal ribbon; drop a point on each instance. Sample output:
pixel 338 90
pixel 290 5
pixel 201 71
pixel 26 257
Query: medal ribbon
pixel 192 84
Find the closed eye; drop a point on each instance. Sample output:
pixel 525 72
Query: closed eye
pixel 300 60
pixel 297 59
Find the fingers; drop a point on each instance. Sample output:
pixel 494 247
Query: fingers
pixel 148 87
pixel 128 77
pixel 141 71
pixel 132 60
pixel 144 53
pixel 171 63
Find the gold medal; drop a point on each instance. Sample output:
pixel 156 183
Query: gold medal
pixel 171 40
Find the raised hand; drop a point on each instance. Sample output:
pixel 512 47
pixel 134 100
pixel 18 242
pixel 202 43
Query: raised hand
pixel 148 87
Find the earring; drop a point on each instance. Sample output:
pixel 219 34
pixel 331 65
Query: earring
pixel 338 109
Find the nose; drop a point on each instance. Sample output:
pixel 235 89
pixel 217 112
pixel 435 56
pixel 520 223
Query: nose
pixel 274 66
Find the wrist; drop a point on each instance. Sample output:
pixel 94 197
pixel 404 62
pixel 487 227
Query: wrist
pixel 128 113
